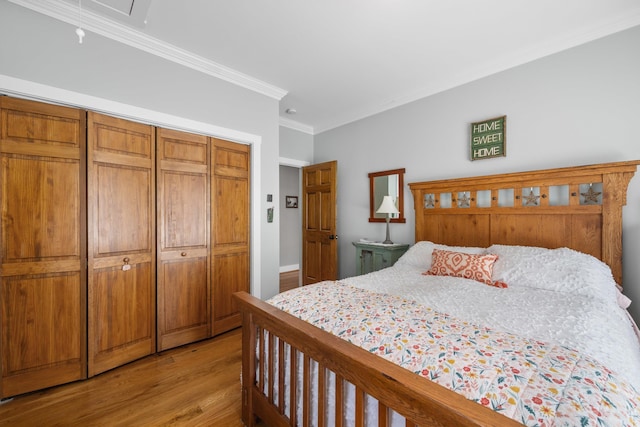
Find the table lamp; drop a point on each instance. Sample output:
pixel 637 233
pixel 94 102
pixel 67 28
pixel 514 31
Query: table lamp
pixel 387 207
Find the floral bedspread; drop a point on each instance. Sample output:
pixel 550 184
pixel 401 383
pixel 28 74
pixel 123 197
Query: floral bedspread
pixel 532 382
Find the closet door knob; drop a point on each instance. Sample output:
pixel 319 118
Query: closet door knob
pixel 183 254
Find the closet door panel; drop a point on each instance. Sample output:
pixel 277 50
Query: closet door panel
pixel 123 299
pixel 230 212
pixel 36 128
pixel 183 241
pixel 31 331
pixel 38 226
pixel 42 338
pixel 122 213
pixel 42 245
pixel 184 318
pixel 231 274
pixel 184 210
pixel 121 217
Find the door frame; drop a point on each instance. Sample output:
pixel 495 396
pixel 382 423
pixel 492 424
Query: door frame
pixel 298 164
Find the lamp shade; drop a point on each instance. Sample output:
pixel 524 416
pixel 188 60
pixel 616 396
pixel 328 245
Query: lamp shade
pixel 387 206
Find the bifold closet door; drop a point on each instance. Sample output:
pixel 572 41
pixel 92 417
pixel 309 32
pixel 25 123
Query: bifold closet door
pixel 183 238
pixel 230 236
pixel 121 241
pixel 42 245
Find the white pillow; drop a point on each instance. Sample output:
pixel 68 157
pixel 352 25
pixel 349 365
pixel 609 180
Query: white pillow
pixel 419 255
pixel 560 270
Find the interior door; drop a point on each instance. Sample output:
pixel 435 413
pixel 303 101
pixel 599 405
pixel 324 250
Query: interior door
pixel 42 245
pixel 183 238
pixel 121 241
pixel 230 231
pixel 319 216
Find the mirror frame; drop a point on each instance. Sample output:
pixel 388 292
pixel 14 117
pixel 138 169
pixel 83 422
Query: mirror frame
pixel 372 208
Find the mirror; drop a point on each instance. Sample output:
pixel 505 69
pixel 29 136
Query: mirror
pixel 386 183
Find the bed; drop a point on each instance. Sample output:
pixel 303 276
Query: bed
pixel 507 311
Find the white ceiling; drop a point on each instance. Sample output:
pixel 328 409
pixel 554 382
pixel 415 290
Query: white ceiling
pixel 336 61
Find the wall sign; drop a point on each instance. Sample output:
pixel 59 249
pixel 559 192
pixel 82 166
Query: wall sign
pixel 488 138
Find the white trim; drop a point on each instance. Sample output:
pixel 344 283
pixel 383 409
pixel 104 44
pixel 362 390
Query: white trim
pixel 36 91
pixel 256 233
pixel 292 124
pixel 288 268
pixel 293 162
pixel 113 30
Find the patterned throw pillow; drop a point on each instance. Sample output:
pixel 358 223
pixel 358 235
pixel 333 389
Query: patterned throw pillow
pixel 468 266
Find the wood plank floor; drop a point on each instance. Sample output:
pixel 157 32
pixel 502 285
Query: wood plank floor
pixel 194 385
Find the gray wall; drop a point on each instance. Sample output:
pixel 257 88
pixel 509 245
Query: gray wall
pixel 580 106
pixel 42 50
pixel 290 219
pixel 296 145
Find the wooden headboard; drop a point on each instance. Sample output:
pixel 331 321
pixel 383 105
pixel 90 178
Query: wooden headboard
pixel 576 207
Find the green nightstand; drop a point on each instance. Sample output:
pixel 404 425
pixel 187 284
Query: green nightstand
pixel 376 256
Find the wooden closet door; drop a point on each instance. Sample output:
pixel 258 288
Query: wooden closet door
pixel 121 220
pixel 43 245
pixel 230 237
pixel 183 238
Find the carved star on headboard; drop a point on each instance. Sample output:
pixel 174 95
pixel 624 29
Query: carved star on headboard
pixel 591 196
pixel 531 199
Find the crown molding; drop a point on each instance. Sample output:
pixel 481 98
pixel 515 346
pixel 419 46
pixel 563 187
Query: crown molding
pixel 292 124
pixel 294 163
pixel 26 89
pixel 106 27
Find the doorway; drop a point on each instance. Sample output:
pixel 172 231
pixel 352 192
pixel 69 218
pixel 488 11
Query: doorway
pixel 290 223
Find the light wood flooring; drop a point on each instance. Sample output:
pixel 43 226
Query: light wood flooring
pixel 194 385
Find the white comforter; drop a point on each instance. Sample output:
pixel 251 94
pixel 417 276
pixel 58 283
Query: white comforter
pixel 598 327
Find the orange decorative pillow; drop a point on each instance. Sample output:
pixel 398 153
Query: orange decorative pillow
pixel 468 266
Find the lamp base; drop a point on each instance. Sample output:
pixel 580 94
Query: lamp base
pixel 387 241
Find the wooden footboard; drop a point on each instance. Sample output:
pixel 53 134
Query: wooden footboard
pixel 267 370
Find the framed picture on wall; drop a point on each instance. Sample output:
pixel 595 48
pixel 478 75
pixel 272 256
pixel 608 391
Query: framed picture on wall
pixel 292 201
pixel 488 138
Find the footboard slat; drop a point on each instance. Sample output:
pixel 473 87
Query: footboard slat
pixel 383 415
pixel 293 377
pixel 272 366
pixel 306 390
pixel 281 376
pixel 322 385
pixel 359 407
pixel 339 401
pixel 419 400
pixel 262 361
